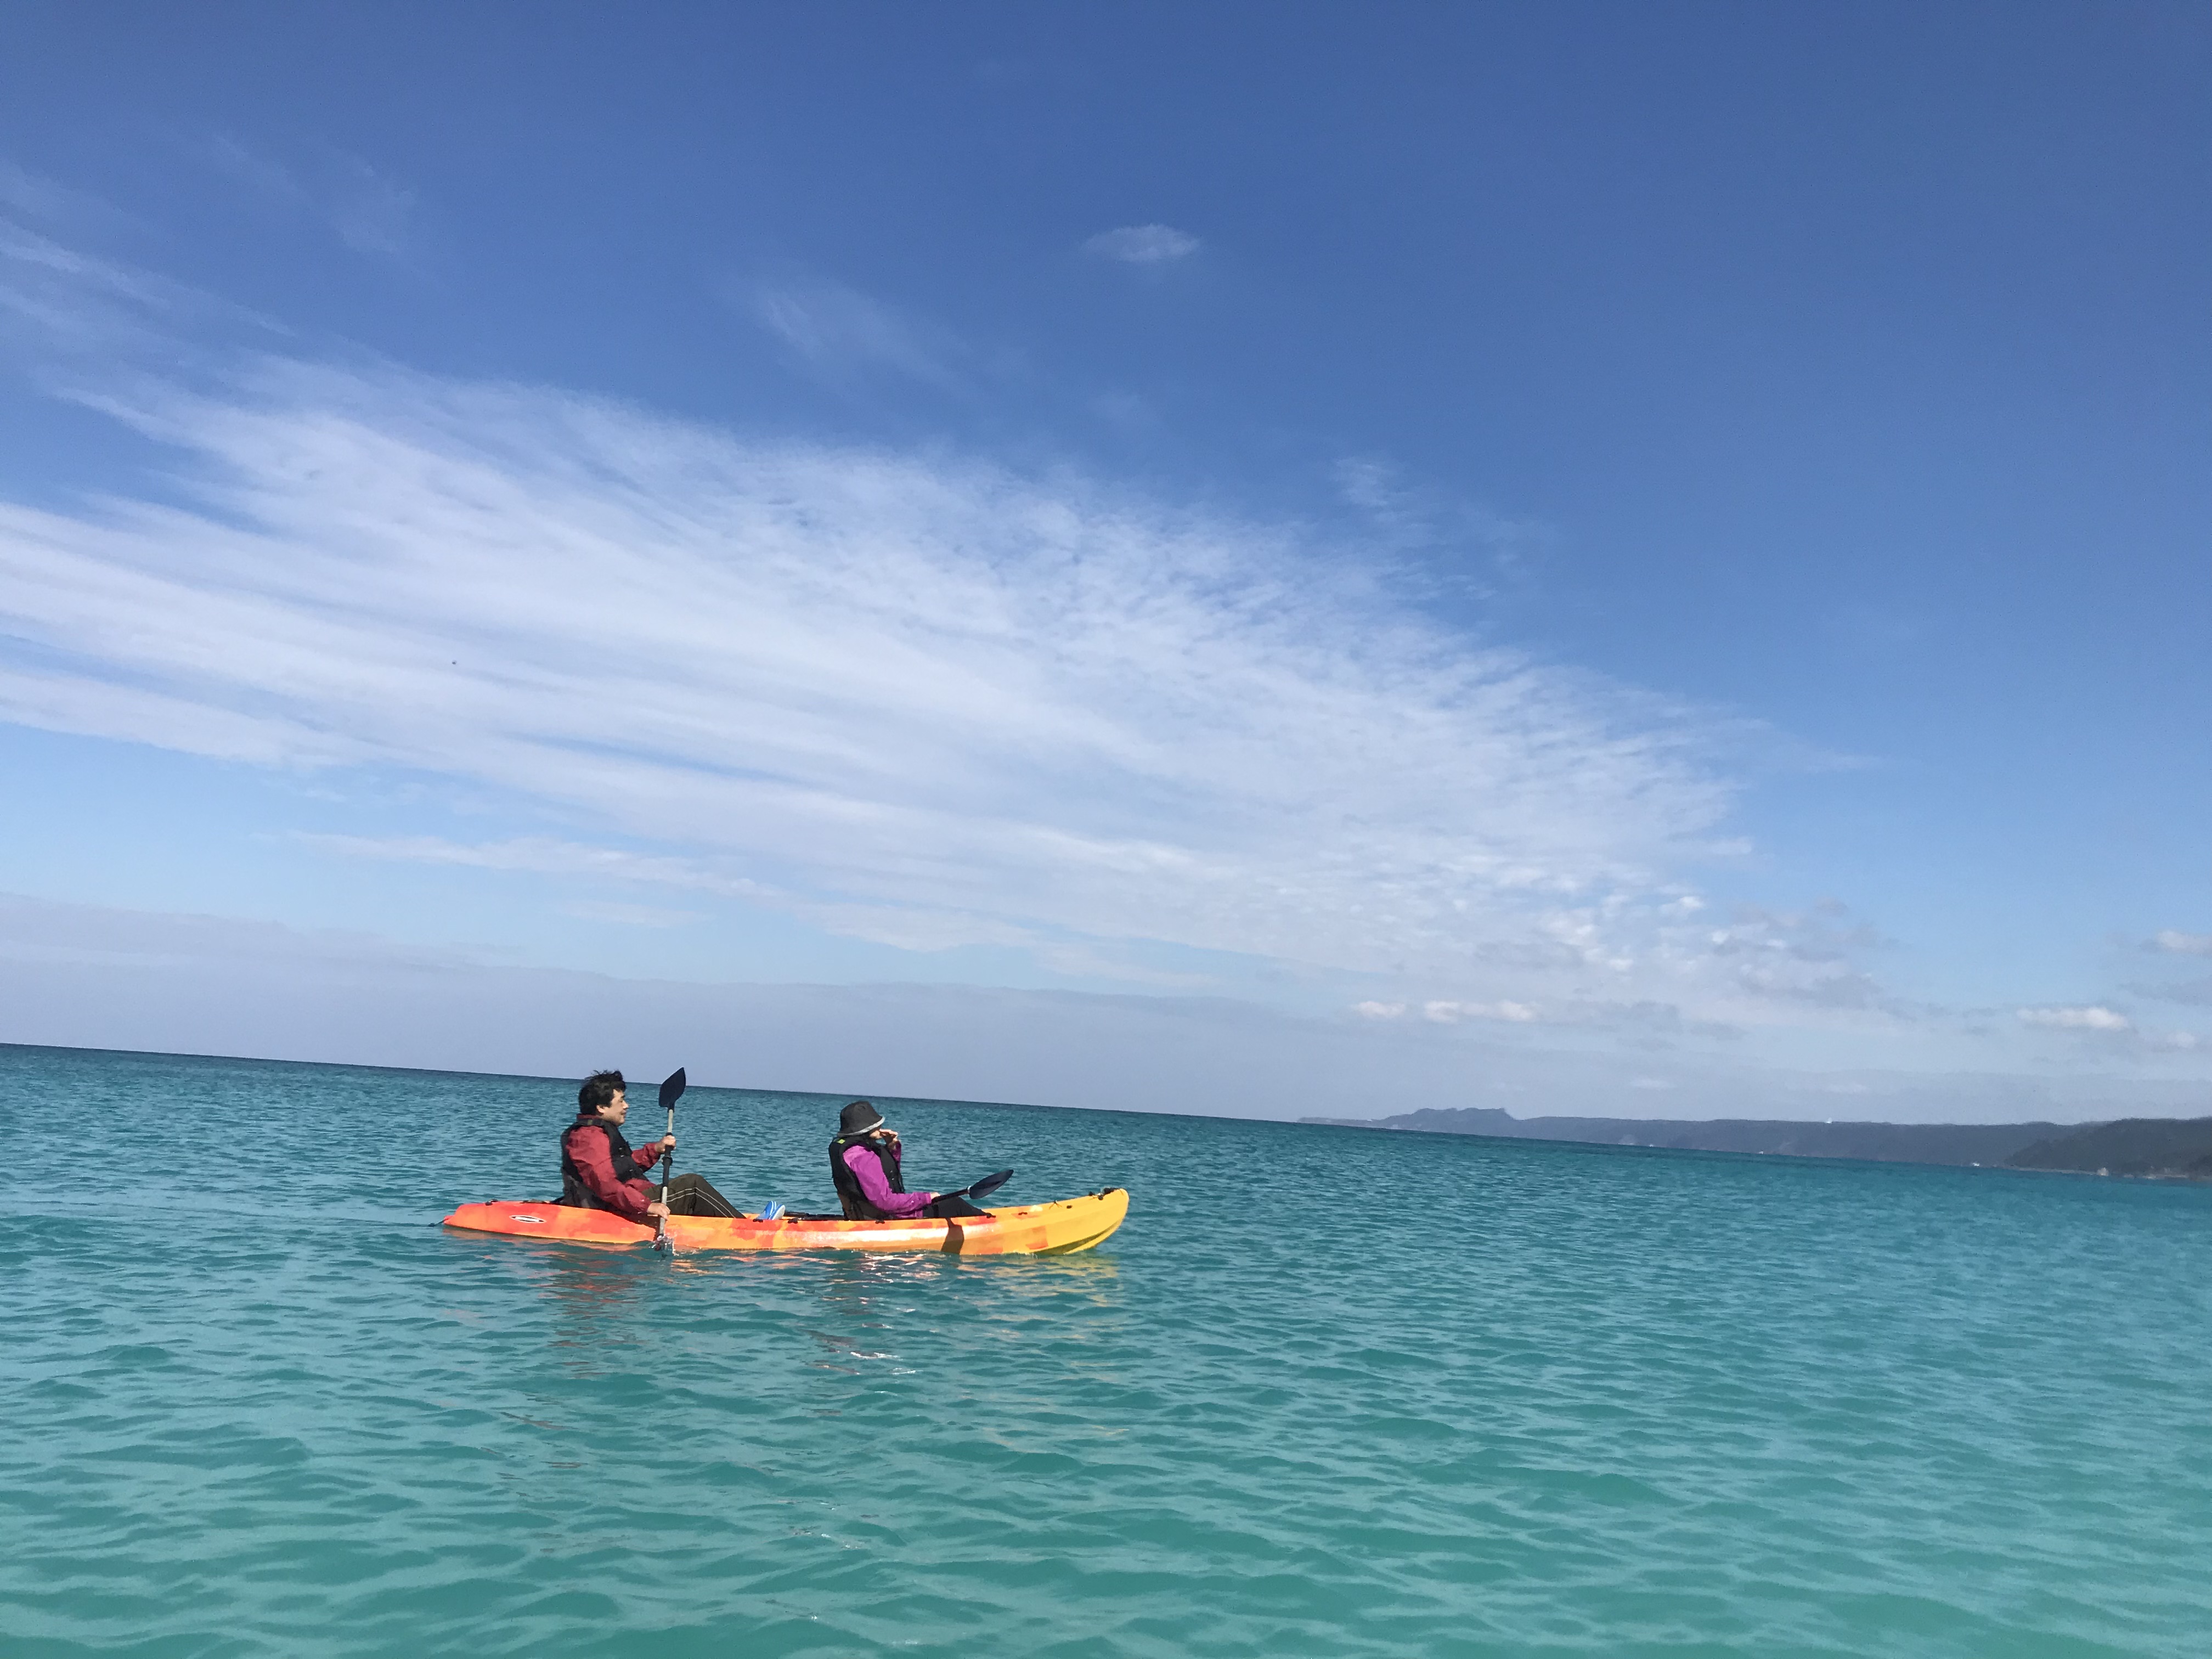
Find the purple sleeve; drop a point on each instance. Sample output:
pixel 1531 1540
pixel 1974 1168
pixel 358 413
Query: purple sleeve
pixel 868 1169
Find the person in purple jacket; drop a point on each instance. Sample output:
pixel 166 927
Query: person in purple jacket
pixel 864 1162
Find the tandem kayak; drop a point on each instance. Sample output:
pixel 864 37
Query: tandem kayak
pixel 1061 1229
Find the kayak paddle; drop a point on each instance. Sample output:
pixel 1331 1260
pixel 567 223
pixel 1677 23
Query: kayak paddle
pixel 983 1189
pixel 671 1091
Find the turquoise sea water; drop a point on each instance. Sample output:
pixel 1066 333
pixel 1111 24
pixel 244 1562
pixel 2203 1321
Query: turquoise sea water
pixel 1329 1392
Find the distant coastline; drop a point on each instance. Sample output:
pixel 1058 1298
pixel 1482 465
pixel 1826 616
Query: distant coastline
pixel 2164 1148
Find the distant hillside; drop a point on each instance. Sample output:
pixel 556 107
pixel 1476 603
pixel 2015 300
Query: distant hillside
pixel 2133 1146
pixel 1896 1143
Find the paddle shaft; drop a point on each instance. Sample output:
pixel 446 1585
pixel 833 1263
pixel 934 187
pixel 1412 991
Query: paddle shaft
pixel 667 1166
pixel 671 1091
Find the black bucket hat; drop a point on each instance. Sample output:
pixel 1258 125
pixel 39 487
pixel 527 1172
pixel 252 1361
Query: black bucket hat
pixel 859 1119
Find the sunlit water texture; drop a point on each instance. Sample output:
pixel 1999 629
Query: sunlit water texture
pixel 1329 1392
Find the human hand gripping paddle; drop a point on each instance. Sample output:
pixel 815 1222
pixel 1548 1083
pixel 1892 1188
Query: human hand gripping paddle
pixel 671 1091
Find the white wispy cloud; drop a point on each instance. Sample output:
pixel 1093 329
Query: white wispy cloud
pixel 2093 1017
pixel 544 856
pixel 72 297
pixel 839 332
pixel 1000 708
pixel 2108 1025
pixel 97 977
pixel 907 927
pixel 61 305
pixel 33 195
pixel 1406 516
pixel 370 211
pixel 1446 1012
pixel 1143 244
pixel 2177 943
pixel 1644 1019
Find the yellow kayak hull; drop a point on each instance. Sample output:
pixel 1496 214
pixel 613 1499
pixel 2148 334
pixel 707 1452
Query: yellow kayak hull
pixel 1058 1229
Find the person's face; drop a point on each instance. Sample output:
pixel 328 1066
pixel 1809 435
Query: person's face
pixel 615 1109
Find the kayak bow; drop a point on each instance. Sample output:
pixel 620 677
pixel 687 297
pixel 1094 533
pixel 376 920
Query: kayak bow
pixel 1061 1229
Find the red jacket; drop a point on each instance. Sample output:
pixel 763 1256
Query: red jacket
pixel 590 1156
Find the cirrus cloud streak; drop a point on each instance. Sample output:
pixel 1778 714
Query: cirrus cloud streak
pixel 1014 708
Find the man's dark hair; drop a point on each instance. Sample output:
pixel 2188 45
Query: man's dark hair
pixel 598 1091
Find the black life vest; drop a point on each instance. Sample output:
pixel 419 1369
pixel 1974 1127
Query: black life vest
pixel 857 1207
pixel 573 1192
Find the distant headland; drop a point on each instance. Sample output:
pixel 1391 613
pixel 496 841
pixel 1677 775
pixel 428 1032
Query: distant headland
pixel 2172 1149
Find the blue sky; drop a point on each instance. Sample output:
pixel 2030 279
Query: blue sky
pixel 1643 559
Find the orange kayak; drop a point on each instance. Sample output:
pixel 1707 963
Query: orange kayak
pixel 1059 1228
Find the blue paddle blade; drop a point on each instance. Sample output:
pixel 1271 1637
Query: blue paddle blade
pixel 671 1090
pixel 990 1183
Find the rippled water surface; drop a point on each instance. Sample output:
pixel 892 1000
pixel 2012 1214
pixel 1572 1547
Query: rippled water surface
pixel 1328 1392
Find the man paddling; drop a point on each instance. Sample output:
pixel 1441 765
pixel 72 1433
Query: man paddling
pixel 864 1162
pixel 600 1170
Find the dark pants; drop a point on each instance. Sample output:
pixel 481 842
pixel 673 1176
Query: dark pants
pixel 691 1194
